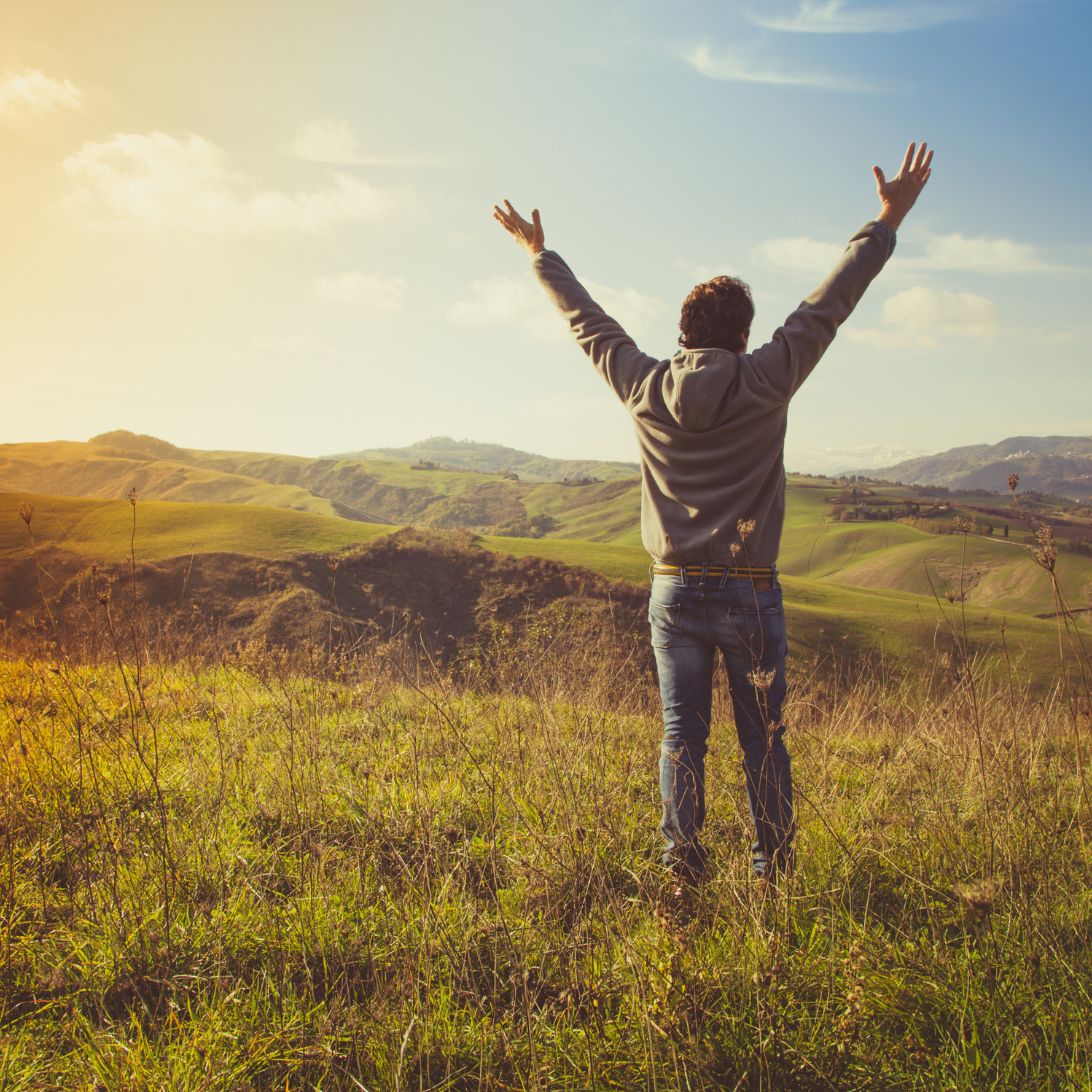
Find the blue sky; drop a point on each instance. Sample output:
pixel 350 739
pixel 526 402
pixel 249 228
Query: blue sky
pixel 267 225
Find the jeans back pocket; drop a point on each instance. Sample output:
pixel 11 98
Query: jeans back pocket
pixel 665 622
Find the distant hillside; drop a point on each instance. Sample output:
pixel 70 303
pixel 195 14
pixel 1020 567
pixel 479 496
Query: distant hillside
pixel 1061 465
pixel 495 458
pixel 377 490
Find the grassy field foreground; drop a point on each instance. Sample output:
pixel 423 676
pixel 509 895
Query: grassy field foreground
pixel 252 876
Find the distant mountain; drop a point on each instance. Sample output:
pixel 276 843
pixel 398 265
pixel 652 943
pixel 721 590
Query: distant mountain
pixel 836 461
pixel 1061 465
pixel 495 458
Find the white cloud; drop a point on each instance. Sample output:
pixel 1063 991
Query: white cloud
pixel 637 313
pixel 799 255
pixel 363 291
pixel 33 92
pixel 985 254
pixel 730 65
pixel 926 317
pixel 158 182
pixel 802 256
pixel 836 17
pixel 330 140
pixel 506 301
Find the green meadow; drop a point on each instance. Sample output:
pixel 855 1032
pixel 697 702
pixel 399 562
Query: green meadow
pixel 257 875
pixel 367 871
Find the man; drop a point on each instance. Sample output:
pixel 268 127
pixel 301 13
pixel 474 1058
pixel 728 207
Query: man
pixel 710 425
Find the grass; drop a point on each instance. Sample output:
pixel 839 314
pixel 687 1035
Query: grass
pixel 357 871
pixel 248 875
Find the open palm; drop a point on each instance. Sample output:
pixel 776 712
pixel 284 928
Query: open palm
pixel 897 195
pixel 528 235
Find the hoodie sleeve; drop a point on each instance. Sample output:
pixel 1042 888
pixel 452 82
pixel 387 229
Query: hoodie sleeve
pixel 612 351
pixel 783 363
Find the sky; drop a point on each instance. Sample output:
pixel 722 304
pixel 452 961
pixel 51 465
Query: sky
pixel 267 225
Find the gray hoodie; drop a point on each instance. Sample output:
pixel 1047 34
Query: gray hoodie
pixel 711 423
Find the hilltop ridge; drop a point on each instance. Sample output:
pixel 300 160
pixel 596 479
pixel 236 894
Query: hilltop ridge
pixel 495 458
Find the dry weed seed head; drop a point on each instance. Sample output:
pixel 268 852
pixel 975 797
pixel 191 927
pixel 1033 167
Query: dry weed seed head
pixel 745 527
pixel 965 526
pixel 736 548
pixel 978 897
pixel 761 680
pixel 26 512
pixel 1045 553
pixel 132 496
pixel 1014 481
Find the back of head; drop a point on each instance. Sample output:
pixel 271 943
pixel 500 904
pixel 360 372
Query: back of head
pixel 717 315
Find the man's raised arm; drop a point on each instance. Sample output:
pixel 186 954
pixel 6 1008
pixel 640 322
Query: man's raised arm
pixel 784 362
pixel 612 351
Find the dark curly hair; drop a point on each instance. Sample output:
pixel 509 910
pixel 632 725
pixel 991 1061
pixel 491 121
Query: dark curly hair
pixel 717 315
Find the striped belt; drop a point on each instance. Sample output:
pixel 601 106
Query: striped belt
pixel 761 575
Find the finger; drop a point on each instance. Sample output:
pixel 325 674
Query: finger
pixel 505 223
pixel 925 176
pixel 906 160
pixel 538 221
pixel 919 158
pixel 927 161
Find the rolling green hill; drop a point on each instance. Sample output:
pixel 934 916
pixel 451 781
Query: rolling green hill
pixel 372 491
pixel 101 530
pixel 272 505
pixel 841 580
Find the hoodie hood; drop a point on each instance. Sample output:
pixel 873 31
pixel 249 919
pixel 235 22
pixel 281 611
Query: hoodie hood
pixel 696 385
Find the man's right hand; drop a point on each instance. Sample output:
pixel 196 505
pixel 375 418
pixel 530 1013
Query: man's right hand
pixel 897 197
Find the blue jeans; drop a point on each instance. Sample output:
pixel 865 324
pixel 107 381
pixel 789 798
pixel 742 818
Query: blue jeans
pixel 690 618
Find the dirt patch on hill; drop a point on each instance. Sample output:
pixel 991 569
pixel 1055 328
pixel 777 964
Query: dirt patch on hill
pixel 439 590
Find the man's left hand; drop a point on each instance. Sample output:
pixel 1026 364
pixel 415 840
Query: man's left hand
pixel 528 235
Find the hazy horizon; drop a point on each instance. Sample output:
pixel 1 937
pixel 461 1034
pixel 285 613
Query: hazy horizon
pixel 267 227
